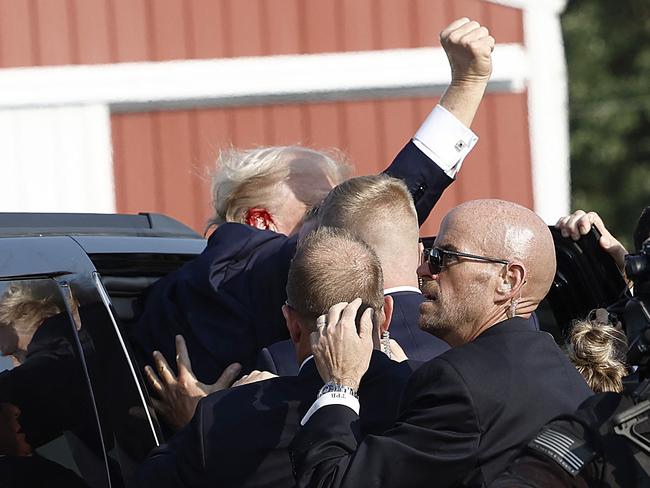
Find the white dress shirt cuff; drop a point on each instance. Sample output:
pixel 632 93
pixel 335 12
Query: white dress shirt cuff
pixel 445 140
pixel 332 398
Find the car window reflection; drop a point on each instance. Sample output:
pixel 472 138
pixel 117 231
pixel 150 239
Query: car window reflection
pixel 49 431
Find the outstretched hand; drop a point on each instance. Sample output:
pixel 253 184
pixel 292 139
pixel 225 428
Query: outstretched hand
pixel 179 395
pixel 469 47
pixel 342 355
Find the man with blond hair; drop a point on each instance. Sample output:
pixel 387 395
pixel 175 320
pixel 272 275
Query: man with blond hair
pixel 379 210
pixel 271 188
pixel 227 301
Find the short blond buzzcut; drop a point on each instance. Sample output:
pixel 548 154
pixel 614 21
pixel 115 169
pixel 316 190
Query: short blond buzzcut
pixel 248 178
pixel 366 198
pixel 332 266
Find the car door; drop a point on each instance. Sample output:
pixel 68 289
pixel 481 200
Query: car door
pixel 73 411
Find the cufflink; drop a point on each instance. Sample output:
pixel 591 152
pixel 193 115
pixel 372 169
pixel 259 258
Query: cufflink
pixel 460 145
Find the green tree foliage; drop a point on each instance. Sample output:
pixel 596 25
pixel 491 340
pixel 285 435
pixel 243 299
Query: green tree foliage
pixel 607 46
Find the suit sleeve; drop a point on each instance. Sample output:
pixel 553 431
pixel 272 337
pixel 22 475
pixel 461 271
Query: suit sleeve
pixel 265 361
pixel 425 180
pixel 177 463
pixel 435 440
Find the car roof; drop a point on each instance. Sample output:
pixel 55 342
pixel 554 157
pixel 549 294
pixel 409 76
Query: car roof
pixel 88 224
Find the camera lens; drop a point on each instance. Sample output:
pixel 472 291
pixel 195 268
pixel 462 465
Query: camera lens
pixel 636 265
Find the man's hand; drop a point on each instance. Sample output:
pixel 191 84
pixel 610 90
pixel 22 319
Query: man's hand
pixel 397 354
pixel 579 223
pixel 179 396
pixel 254 377
pixel 469 47
pixel 342 355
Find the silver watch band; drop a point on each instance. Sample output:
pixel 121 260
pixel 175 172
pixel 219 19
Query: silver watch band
pixel 332 387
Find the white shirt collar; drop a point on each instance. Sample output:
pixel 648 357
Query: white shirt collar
pixel 397 289
pixel 305 362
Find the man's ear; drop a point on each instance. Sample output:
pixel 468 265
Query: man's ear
pixel 260 218
pixel 388 313
pixel 293 323
pixel 511 281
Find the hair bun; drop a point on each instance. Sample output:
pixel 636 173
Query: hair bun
pixel 599 352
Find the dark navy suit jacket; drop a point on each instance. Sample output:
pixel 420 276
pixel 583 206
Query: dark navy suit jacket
pixel 465 416
pixel 280 358
pixel 227 302
pixel 240 437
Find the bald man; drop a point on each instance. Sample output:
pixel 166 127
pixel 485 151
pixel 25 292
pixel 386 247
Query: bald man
pixel 465 414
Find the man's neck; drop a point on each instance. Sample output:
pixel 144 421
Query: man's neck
pixel 397 279
pixel 495 318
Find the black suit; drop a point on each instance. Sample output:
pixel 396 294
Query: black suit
pixel 464 416
pixel 279 358
pixel 227 301
pixel 240 437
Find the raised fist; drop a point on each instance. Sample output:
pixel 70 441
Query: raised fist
pixel 469 47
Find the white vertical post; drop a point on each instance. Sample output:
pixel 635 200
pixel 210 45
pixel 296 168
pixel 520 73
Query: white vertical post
pixel 548 106
pixel 548 109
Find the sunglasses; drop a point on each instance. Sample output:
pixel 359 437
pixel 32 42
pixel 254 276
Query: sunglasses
pixel 437 257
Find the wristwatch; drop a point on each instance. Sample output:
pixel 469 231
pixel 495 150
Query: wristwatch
pixel 332 387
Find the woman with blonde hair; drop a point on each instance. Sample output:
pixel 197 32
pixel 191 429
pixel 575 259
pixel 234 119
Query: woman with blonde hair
pixel 23 308
pixel 598 350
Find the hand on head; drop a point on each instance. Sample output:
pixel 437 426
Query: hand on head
pixel 342 355
pixel 179 395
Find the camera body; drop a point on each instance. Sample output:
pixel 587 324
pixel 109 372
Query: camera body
pixel 636 311
pixel 637 268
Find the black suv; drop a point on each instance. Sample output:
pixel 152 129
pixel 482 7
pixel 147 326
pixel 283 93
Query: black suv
pixel 69 289
pixel 70 286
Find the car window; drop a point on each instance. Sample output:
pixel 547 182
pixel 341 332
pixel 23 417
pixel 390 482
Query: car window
pixel 128 428
pixel 49 433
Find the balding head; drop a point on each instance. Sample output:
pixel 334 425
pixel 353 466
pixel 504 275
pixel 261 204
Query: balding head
pixel 512 232
pixel 470 295
pixel 332 266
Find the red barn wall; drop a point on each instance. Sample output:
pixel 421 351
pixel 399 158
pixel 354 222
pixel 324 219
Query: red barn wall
pixel 160 158
pixel 56 32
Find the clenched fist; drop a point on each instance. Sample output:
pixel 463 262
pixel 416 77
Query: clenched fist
pixel 469 47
